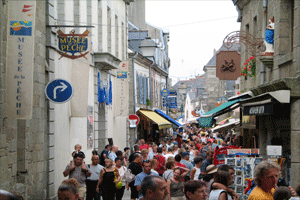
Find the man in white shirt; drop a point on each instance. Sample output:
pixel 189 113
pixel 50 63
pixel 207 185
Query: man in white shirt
pixel 91 182
pixel 169 153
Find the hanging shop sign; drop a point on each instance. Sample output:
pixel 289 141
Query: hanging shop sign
pixel 165 92
pixel 265 109
pixel 134 120
pixel 228 65
pixel 20 59
pixel 71 44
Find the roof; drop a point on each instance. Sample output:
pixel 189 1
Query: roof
pixel 213 60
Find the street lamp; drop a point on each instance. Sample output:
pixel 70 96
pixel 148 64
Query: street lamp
pixel 148 48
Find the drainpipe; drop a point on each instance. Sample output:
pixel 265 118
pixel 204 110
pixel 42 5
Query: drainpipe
pixel 134 93
pixel 264 25
pixel 151 86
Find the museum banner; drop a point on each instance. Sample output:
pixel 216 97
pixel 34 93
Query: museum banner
pixel 20 59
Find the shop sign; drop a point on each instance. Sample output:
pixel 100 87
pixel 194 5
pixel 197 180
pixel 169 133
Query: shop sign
pixel 235 152
pixel 20 59
pixel 266 109
pixel 73 43
pixel 228 65
pixel 165 92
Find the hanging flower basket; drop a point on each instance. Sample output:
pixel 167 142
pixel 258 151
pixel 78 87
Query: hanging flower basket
pixel 249 67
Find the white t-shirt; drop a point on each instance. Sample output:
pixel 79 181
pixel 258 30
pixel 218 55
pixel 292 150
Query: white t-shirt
pixel 122 171
pixel 168 155
pixel 197 173
pixel 95 170
pixel 185 136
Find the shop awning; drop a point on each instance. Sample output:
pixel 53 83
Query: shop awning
pixel 206 120
pixel 161 113
pixel 156 118
pixel 226 126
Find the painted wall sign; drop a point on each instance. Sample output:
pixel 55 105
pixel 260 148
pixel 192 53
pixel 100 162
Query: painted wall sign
pixel 72 43
pixel 20 59
pixel 121 74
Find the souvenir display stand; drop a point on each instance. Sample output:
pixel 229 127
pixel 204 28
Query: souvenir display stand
pixel 243 161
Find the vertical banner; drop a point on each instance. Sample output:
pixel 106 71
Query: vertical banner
pixel 90 127
pixel 80 80
pixel 20 59
pixel 122 91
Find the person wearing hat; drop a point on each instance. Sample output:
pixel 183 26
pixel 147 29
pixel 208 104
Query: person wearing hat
pixel 211 171
pixel 187 163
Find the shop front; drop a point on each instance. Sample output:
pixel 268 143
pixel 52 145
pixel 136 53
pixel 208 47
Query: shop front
pixel 265 123
pixel 152 126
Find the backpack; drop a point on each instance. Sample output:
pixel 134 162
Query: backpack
pixel 160 164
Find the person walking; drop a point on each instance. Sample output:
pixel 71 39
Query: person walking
pixel 108 181
pixel 187 163
pixel 225 179
pixel 67 190
pixel 175 186
pixel 266 175
pixel 195 190
pixel 92 181
pixel 79 171
pixel 139 178
pixel 196 170
pixel 104 154
pixel 122 170
pixel 154 188
pixel 135 169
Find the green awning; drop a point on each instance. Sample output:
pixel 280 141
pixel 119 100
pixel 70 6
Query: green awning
pixel 206 120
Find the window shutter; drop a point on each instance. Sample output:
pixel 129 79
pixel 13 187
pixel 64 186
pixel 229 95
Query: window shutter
pixel 145 90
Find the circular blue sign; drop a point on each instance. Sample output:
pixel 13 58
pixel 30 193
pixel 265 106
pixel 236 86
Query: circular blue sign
pixel 165 92
pixel 59 91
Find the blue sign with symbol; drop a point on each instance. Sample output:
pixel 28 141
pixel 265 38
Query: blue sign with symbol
pixel 165 92
pixel 59 91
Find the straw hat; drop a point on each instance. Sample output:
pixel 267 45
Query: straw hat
pixel 210 169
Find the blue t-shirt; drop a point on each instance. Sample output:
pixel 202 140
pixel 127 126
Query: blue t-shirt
pixel 188 165
pixel 112 155
pixel 139 178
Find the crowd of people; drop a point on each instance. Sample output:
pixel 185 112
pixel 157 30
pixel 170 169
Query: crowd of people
pixel 179 167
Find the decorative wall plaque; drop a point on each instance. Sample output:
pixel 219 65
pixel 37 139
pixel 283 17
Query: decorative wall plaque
pixel 228 65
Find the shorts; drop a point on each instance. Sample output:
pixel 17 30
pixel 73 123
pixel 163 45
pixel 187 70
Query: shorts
pixel 82 191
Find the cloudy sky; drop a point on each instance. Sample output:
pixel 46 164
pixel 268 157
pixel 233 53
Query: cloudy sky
pixel 197 27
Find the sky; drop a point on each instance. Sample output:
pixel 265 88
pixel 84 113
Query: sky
pixel 196 27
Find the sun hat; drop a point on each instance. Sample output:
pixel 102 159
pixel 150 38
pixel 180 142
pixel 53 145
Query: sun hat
pixel 210 169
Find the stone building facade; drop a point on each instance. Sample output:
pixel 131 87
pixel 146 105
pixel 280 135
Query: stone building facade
pixel 24 142
pixel 277 76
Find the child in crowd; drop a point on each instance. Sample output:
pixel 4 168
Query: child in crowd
pixel 282 193
pixel 77 151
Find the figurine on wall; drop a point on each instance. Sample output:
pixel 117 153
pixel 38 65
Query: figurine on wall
pixel 269 38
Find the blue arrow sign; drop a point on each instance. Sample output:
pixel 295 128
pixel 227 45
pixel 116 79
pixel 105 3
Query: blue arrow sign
pixel 59 91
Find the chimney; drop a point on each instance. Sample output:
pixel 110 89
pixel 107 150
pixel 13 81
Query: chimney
pixel 215 51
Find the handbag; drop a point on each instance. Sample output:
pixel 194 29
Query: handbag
pixel 118 184
pixel 129 176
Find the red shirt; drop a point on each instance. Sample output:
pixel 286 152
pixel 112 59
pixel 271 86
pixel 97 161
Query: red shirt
pixel 144 146
pixel 180 165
